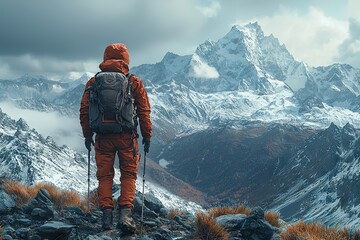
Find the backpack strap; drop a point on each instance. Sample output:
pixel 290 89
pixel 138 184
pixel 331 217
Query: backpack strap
pixel 128 90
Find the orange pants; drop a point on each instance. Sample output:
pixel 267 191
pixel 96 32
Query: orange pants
pixel 106 146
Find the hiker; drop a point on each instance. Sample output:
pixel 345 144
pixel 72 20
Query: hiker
pixel 116 131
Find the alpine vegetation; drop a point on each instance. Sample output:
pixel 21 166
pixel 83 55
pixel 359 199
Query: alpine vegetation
pixel 43 211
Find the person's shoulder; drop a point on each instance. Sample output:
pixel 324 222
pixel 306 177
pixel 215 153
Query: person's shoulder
pixel 134 79
pixel 90 81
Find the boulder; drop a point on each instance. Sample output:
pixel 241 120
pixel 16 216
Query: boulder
pixel 252 227
pixel 55 230
pixel 40 207
pixel 7 203
pixel 152 202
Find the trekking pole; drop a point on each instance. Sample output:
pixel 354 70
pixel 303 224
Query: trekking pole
pixel 143 197
pixel 89 180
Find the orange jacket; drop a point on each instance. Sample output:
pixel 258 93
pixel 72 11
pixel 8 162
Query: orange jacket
pixel 116 59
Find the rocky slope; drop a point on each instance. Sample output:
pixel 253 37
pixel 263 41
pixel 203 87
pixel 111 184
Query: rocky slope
pixel 40 218
pixel 28 157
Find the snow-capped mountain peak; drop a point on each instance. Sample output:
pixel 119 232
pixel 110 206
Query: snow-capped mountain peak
pixel 73 76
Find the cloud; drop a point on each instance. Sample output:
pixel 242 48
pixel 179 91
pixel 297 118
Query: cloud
pixel 64 130
pixel 210 10
pixel 81 29
pixel 350 48
pixel 51 67
pixel 54 35
pixel 313 38
pixel 78 31
pixel 202 70
pixel 353 7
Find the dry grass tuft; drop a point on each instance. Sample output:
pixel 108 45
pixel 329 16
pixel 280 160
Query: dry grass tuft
pixel 207 229
pixel 243 210
pixel 316 231
pixel 273 219
pixel 219 211
pixel 21 193
pixel 66 198
pixel 61 198
pixel 175 212
pixel 94 202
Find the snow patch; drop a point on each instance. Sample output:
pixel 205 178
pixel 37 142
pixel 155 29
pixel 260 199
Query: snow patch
pixel 163 163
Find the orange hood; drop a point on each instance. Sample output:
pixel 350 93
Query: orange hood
pixel 116 58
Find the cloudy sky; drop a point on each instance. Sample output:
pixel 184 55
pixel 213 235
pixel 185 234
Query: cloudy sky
pixel 52 37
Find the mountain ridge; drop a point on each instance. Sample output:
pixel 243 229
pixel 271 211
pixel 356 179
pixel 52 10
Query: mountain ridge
pixel 243 83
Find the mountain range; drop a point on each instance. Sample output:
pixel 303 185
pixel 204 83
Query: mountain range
pixel 241 119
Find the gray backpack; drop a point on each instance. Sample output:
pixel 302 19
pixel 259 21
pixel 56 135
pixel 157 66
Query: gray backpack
pixel 111 107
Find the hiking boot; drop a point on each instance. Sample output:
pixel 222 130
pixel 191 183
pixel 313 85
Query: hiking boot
pixel 126 223
pixel 107 219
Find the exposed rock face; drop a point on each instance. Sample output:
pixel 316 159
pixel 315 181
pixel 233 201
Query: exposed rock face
pixel 40 207
pixel 6 203
pixel 252 227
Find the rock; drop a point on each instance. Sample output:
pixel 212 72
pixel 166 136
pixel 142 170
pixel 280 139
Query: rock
pixel 231 222
pixel 255 227
pixel 23 222
pixel 23 232
pixel 150 223
pixel 40 207
pixel 21 124
pixel 163 212
pixel 158 236
pixel 6 237
pixel 55 230
pixel 147 212
pixel 254 230
pixel 7 203
pixel 152 202
pixel 8 230
pixel 146 237
pixel 257 213
pixel 94 237
pixel 35 236
pixel 75 210
pixel 252 227
pixel 38 213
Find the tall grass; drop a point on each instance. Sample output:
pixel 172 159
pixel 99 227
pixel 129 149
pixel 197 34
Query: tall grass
pixel 317 231
pixel 175 212
pixel 272 218
pixel 60 198
pixel 206 228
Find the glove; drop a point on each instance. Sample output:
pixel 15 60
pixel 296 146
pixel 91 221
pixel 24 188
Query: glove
pixel 146 143
pixel 88 142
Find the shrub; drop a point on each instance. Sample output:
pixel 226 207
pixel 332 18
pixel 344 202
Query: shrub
pixel 273 218
pixel 175 212
pixel 207 229
pixel 21 193
pixel 61 198
pixel 219 211
pixel 316 231
pixel 243 210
